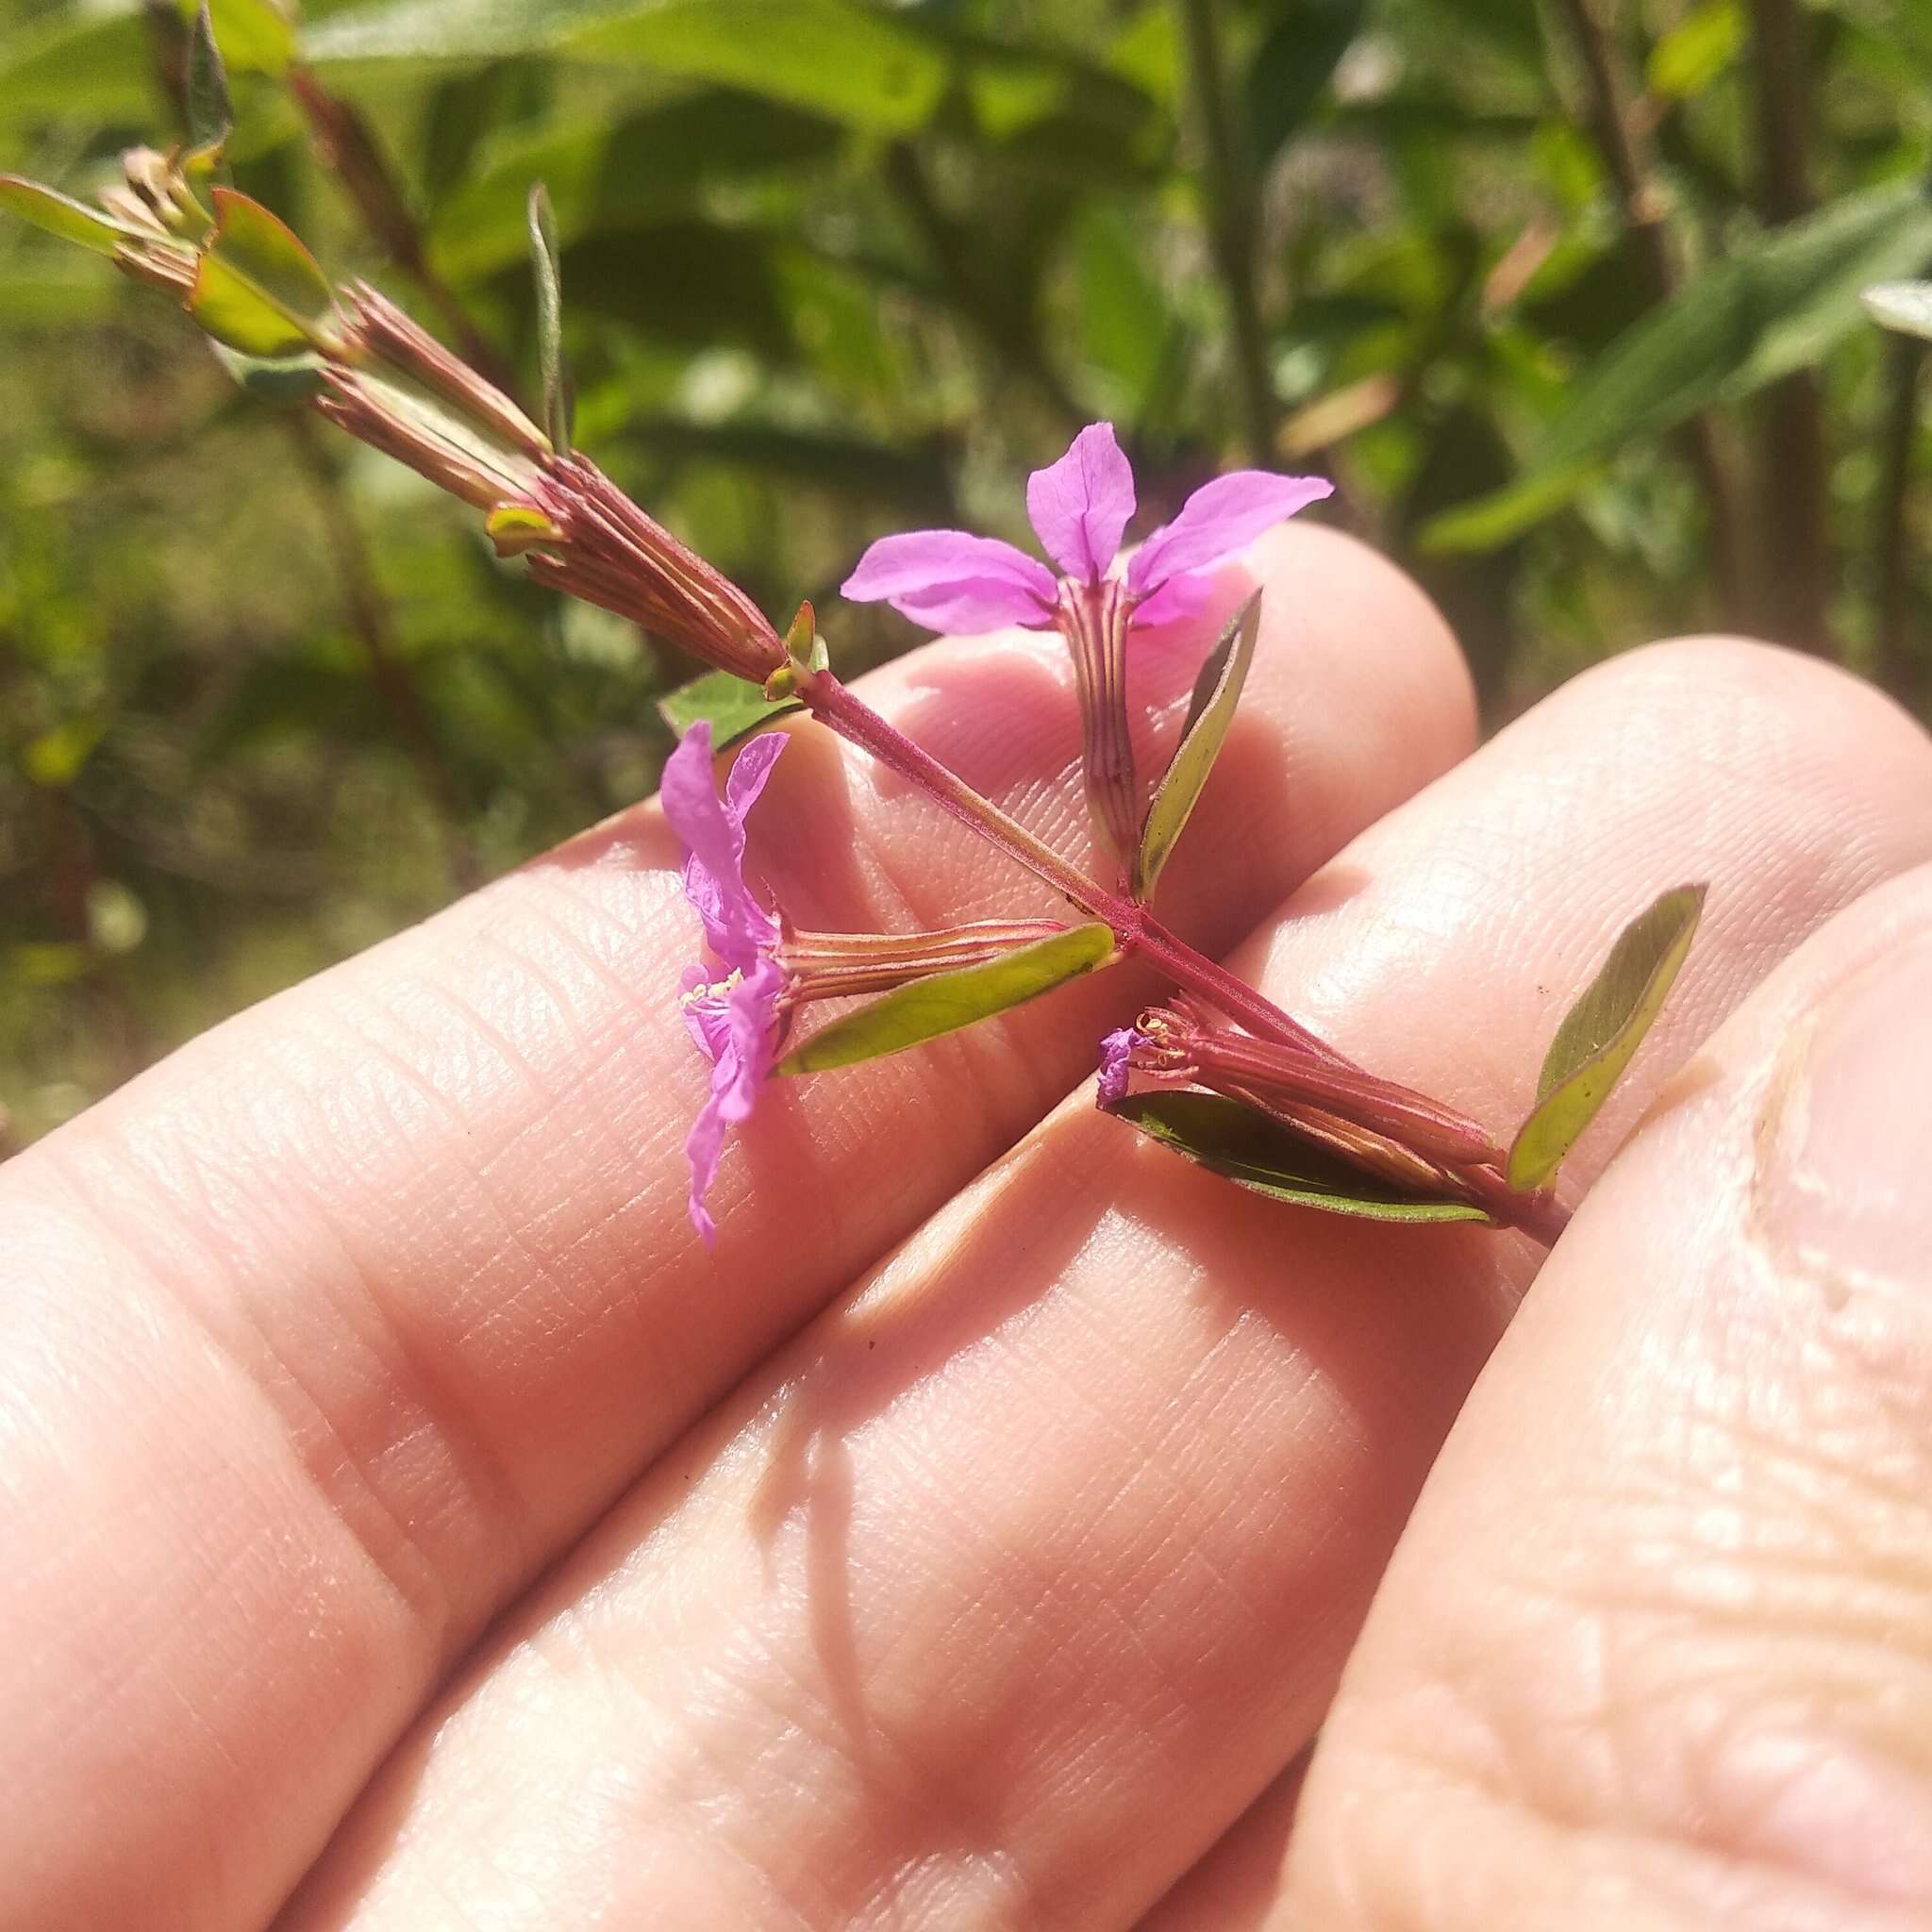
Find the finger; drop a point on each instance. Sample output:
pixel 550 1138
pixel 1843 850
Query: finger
pixel 332 1328
pixel 1656 1650
pixel 1012 1584
pixel 1235 1887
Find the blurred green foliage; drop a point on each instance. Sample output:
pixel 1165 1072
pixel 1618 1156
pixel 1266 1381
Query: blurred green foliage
pixel 834 267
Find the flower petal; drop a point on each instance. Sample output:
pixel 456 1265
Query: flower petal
pixel 1116 1051
pixel 749 771
pixel 1180 598
pixel 1220 518
pixel 1080 504
pixel 744 1058
pixel 950 579
pixel 712 829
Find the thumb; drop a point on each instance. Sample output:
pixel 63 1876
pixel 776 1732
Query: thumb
pixel 1656 1650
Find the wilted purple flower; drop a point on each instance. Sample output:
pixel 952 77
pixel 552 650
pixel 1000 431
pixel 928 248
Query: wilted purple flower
pixel 735 1018
pixel 1116 1054
pixel 1079 508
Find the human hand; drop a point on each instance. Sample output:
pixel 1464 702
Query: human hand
pixel 404 1511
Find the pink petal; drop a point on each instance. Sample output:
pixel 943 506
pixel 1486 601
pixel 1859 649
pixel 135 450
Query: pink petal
pixel 712 829
pixel 737 1073
pixel 749 771
pixel 1180 598
pixel 1116 1052
pixel 1220 518
pixel 1080 504
pixel 952 580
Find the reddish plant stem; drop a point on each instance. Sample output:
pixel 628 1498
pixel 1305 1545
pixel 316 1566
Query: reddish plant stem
pixel 1137 930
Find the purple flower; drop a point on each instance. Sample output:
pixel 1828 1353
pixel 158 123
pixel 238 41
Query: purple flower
pixel 734 1019
pixel 1080 506
pixel 1116 1055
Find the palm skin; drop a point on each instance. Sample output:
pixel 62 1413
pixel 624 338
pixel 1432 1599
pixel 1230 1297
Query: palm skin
pixel 410 1525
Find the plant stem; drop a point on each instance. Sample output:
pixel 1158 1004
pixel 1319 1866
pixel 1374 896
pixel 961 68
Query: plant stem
pixel 1793 479
pixel 368 618
pixel 350 150
pixel 1623 142
pixel 1897 669
pixel 1233 224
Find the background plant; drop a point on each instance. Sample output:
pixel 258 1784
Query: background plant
pixel 1565 300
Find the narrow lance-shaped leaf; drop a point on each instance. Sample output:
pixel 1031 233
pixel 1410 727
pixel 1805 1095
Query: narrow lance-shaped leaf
pixel 1246 1146
pixel 1602 1031
pixel 1217 691
pixel 211 114
pixel 949 1001
pixel 58 214
pixel 732 706
pixel 558 399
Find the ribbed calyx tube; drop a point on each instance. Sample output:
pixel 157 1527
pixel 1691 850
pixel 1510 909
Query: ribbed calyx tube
pixel 837 965
pixel 1093 620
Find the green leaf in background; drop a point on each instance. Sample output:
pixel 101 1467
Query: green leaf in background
pixel 1602 1031
pixel 210 113
pixel 949 1001
pixel 86 65
pixel 1776 305
pixel 1699 48
pixel 842 59
pixel 1217 691
pixel 1292 68
pixel 733 707
pixel 254 36
pixel 60 215
pixel 557 387
pixel 1906 307
pixel 1246 1146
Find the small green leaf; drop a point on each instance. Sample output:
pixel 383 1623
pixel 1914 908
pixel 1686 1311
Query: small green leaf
pixel 257 36
pixel 1906 307
pixel 273 378
pixel 1217 691
pixel 1699 48
pixel 733 707
pixel 1602 1031
pixel 949 1001
pixel 236 313
pixel 263 250
pixel 557 400
pixel 1255 1151
pixel 60 215
pixel 211 114
pixel 1292 68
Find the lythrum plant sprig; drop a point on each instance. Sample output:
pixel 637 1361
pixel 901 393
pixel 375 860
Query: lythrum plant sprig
pixel 1218 1073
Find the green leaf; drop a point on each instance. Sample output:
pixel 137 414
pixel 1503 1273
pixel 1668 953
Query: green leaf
pixel 210 113
pixel 264 249
pixel 1292 68
pixel 1603 1030
pixel 1906 307
pixel 1217 691
pixel 557 402
pixel 948 1001
pixel 255 36
pixel 94 65
pixel 846 62
pixel 844 59
pixel 1255 1151
pixel 731 706
pixel 60 215
pixel 1775 304
pixel 1699 48
pixel 235 311
pixel 291 378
